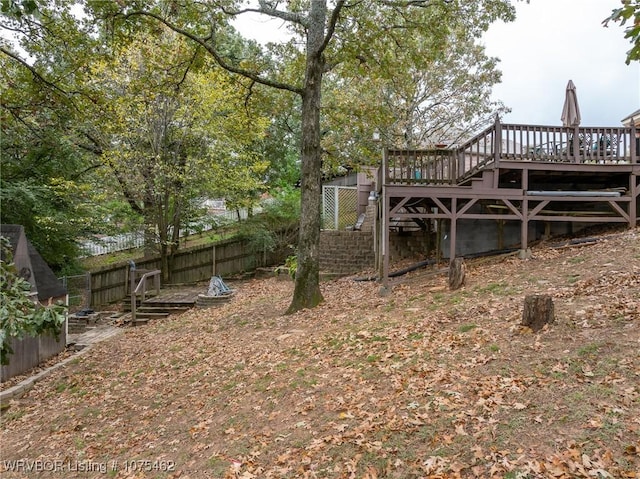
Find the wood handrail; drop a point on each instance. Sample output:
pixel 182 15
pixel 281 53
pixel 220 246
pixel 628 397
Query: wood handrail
pixel 142 288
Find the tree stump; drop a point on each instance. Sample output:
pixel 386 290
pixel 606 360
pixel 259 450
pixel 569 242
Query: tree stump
pixel 457 270
pixel 538 311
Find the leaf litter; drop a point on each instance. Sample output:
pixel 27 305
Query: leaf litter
pixel 424 382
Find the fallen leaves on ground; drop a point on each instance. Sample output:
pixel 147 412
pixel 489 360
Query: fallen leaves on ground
pixel 423 382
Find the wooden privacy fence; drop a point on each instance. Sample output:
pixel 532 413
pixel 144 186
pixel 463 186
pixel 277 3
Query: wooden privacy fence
pixel 191 265
pixel 29 351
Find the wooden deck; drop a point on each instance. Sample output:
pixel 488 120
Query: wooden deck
pixel 521 173
pixel 551 145
pixel 177 296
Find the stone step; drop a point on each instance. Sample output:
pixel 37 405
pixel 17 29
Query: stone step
pixel 172 307
pixel 140 321
pixel 151 314
pixel 163 309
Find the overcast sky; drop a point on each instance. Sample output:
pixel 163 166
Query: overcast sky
pixel 550 43
pixel 553 41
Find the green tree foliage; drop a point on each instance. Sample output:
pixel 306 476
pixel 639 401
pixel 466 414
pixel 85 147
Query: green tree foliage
pixel 325 36
pixel 18 9
pixel 629 12
pixel 175 130
pixel 435 98
pixel 276 228
pixel 20 316
pixel 281 143
pixel 44 184
pixel 128 132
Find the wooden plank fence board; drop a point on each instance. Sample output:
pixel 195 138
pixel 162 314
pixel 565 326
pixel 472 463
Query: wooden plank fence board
pixel 110 284
pixel 31 351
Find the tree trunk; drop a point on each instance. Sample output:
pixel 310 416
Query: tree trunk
pixel 149 235
pixel 457 272
pixel 538 311
pixel 173 247
pixel 150 222
pixel 307 288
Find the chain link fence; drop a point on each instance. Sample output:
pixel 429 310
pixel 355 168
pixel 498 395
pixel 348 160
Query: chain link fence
pixel 339 207
pixel 79 291
pixel 125 241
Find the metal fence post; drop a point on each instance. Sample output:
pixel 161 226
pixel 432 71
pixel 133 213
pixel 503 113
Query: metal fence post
pixel 336 208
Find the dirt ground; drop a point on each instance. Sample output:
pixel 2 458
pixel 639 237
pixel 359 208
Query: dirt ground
pixel 420 383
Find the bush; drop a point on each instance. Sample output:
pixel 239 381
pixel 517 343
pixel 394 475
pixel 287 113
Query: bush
pixel 20 316
pixel 275 229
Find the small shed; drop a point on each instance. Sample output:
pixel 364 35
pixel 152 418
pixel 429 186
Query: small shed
pixel 46 288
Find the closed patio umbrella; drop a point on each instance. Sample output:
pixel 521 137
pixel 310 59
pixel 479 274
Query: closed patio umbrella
pixel 571 115
pixel 570 111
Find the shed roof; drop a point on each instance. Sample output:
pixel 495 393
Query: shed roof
pixel 13 233
pixel 31 265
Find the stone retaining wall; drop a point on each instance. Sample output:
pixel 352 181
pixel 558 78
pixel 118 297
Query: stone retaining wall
pixel 346 252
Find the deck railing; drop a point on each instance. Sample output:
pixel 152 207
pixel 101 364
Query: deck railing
pixel 512 142
pixel 432 166
pixel 573 145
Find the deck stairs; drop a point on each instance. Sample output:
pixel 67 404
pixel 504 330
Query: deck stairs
pixel 482 179
pixel 154 307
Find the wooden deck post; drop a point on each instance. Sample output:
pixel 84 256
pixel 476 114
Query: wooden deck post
pixel 576 145
pixel 384 247
pixel 524 232
pixel 384 251
pixel 635 139
pixel 453 232
pixel 460 158
pixel 635 192
pixel 497 143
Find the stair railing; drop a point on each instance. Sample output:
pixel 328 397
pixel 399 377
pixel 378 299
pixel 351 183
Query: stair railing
pixel 478 151
pixel 141 287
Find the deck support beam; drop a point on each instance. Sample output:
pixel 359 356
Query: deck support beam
pixel 384 250
pixel 453 204
pixel 454 228
pixel 524 230
pixel 634 191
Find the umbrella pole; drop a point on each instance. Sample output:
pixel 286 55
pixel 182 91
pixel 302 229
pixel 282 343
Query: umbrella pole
pixel 576 145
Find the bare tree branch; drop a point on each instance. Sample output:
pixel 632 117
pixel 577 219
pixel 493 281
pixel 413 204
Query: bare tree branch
pixel 267 9
pixel 286 16
pixel 331 27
